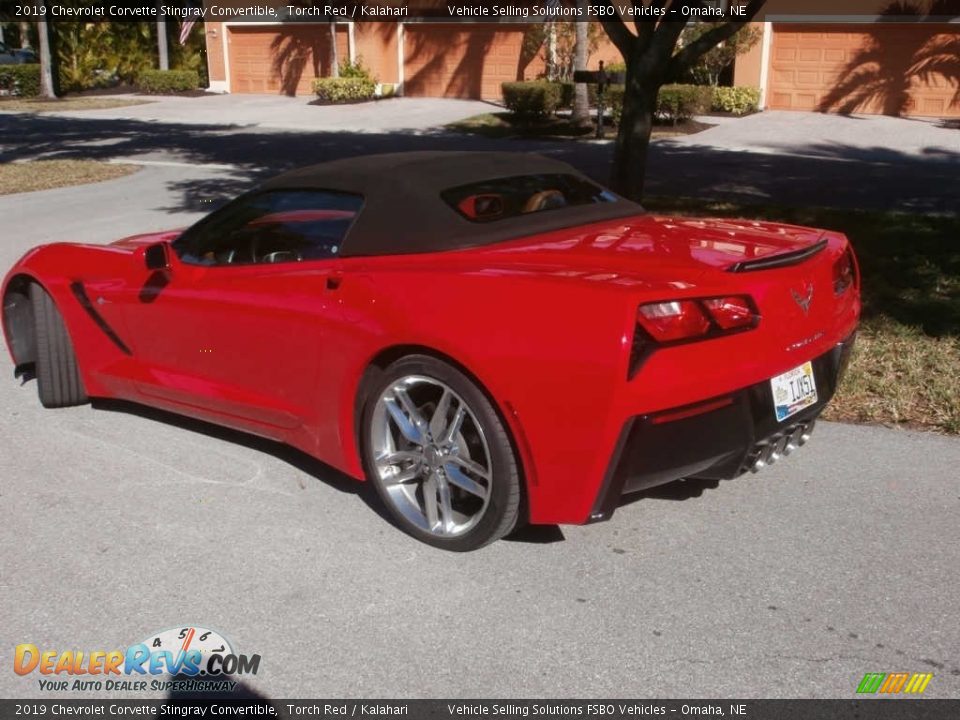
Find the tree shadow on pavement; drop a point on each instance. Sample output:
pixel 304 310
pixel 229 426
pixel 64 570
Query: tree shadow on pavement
pixel 829 175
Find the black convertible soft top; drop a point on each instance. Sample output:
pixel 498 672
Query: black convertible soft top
pixel 404 212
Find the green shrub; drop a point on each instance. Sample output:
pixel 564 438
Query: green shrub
pixel 345 89
pixel 356 69
pixel 613 100
pixel 736 100
pixel 682 102
pixel 532 99
pixel 675 102
pixel 20 80
pixel 165 82
pixel 616 67
pixel 567 89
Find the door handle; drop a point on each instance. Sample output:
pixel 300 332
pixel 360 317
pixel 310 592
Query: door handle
pixel 333 282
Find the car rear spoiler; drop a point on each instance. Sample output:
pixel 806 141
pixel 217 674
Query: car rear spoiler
pixel 793 257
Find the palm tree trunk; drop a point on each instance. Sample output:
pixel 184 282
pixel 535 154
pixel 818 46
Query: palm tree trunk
pixel 334 57
pixel 47 88
pixel 162 50
pixel 552 50
pixel 581 100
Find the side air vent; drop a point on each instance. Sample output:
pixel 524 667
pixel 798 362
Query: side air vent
pixel 81 295
pixel 794 257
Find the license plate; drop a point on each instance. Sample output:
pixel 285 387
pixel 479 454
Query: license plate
pixel 793 391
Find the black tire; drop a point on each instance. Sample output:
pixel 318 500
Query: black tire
pixel 502 513
pixel 58 377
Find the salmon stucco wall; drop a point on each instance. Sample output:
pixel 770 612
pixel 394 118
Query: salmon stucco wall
pixel 215 64
pixel 376 48
pixel 747 69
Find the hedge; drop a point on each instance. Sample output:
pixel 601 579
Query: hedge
pixel 20 80
pixel 736 100
pixel 345 90
pixel 160 82
pixel 674 102
pixel 567 90
pixel 532 99
pixel 682 102
pixel 613 99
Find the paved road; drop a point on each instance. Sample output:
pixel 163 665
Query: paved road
pixel 116 522
pixel 795 582
pixel 298 113
pixel 822 161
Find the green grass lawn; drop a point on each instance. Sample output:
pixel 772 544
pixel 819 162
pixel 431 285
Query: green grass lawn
pixel 906 367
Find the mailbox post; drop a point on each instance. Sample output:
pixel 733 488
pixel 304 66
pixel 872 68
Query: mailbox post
pixel 601 78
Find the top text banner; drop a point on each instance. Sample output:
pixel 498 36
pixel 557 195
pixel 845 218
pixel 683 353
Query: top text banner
pixel 486 12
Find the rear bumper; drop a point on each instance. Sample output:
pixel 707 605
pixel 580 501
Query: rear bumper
pixel 720 438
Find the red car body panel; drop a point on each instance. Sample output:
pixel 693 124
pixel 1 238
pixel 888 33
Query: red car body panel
pixel 545 324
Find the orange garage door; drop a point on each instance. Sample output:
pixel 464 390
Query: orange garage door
pixel 890 69
pixel 449 61
pixel 281 60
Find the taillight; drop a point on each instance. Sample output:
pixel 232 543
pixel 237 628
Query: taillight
pixel 679 320
pixel 732 313
pixel 676 320
pixel 843 272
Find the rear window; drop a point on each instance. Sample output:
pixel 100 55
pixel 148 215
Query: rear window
pixel 502 198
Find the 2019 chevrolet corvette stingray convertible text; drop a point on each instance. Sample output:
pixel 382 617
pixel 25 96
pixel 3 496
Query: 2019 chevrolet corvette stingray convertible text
pixel 488 338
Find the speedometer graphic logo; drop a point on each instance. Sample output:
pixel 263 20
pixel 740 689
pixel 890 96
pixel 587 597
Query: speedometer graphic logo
pixel 203 644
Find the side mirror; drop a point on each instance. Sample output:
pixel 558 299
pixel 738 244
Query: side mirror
pixel 157 257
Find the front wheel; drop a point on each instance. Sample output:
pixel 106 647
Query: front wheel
pixel 439 455
pixel 58 375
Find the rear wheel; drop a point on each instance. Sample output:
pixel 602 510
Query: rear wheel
pixel 439 456
pixel 58 377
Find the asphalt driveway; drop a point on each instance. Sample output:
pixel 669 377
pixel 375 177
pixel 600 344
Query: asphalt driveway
pixel 116 522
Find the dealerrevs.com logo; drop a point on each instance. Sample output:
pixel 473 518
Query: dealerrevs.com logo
pixel 198 658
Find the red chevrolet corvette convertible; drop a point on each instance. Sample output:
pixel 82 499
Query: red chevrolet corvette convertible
pixel 488 338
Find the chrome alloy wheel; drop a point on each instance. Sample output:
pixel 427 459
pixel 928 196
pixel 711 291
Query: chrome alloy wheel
pixel 431 456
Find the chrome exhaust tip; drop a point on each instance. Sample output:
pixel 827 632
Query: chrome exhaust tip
pixel 779 449
pixel 793 440
pixel 780 444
